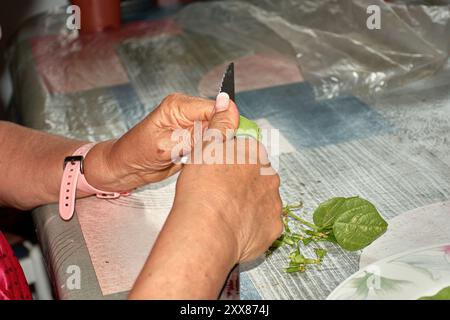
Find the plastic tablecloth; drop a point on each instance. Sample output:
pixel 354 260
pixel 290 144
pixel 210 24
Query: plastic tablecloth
pixel 392 148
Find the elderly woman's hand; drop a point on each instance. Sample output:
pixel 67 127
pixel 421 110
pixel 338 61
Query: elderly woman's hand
pixel 222 214
pixel 144 154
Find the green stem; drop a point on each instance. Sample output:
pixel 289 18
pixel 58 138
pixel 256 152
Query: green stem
pixel 295 206
pixel 306 223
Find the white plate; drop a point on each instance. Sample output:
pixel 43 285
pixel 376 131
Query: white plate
pixel 420 227
pixel 406 276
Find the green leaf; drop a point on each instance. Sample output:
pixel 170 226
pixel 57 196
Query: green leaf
pixel 357 223
pixel 443 294
pixel 248 128
pixel 327 212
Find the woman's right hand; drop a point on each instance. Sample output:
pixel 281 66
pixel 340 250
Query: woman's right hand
pixel 243 198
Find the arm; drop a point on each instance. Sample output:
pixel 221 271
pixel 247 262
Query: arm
pixel 191 258
pixel 31 165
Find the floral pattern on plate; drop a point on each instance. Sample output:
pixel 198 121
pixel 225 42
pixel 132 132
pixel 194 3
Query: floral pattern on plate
pixel 409 275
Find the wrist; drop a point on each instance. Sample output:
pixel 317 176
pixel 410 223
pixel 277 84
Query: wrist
pixel 191 247
pixel 213 224
pixel 101 169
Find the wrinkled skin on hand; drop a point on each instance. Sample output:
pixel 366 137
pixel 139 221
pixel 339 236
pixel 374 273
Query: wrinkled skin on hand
pixel 143 154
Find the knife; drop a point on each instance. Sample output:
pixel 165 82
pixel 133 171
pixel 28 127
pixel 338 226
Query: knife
pixel 227 85
pixel 246 127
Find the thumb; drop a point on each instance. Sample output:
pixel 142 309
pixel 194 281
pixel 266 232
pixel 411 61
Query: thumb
pixel 225 117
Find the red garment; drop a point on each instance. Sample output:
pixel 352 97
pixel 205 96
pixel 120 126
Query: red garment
pixel 13 285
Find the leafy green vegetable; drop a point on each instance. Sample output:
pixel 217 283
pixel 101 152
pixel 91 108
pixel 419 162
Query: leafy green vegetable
pixel 443 294
pixel 248 128
pixel 352 223
pixel 356 222
pixel 298 262
pixel 327 212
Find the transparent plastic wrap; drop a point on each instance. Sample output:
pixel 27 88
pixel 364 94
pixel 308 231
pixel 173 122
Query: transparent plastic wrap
pixel 330 40
pixel 61 77
pixel 75 85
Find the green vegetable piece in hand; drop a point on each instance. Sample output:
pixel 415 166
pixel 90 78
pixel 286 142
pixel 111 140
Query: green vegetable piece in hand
pixel 355 221
pixel 443 294
pixel 248 128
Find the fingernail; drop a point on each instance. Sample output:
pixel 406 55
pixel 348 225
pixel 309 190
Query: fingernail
pixel 222 101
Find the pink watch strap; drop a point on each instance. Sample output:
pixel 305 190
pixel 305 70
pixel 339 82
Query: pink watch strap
pixel 73 179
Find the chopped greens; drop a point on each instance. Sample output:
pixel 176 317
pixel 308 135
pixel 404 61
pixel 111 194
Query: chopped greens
pixel 352 223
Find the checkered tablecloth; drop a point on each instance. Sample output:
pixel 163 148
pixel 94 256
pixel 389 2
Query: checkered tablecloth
pixel 393 149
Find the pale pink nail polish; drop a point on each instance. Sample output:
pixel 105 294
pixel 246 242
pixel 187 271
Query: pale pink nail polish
pixel 222 101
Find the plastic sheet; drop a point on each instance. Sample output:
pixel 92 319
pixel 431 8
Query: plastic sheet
pixel 330 40
pixel 75 85
pixel 97 87
pixel 325 42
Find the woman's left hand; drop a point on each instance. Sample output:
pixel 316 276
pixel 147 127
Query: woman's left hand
pixel 144 154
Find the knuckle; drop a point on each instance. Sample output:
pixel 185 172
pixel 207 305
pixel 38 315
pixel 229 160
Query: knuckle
pixel 161 147
pixel 172 98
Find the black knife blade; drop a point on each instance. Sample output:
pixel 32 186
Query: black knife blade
pixel 228 81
